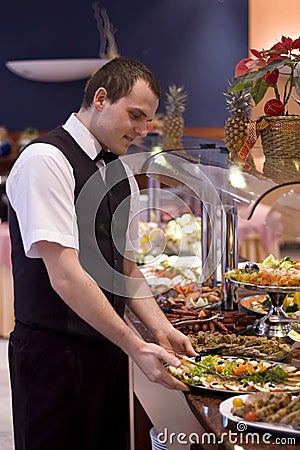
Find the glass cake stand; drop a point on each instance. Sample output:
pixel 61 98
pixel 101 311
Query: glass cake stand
pixel 264 326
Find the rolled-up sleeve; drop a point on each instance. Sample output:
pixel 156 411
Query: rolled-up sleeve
pixel 40 188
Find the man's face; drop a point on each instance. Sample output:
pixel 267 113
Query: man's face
pixel 116 125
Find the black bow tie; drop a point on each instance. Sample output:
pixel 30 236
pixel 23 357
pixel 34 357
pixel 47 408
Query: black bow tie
pixel 106 156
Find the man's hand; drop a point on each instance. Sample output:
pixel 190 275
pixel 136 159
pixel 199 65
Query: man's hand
pixel 151 359
pixel 175 342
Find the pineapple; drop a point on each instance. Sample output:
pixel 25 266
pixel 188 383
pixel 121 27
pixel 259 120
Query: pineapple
pixel 239 106
pixel 173 124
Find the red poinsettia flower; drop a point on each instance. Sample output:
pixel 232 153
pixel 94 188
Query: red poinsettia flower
pixel 256 53
pixel 286 45
pixel 246 65
pixel 271 78
pixel 262 73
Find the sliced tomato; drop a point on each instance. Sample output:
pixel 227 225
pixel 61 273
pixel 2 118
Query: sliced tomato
pixel 250 416
pixel 250 388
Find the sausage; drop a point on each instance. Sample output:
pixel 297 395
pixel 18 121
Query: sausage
pixel 221 326
pixel 204 327
pixel 196 327
pixel 212 327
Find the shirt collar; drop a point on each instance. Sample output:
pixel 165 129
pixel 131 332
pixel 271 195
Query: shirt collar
pixel 82 136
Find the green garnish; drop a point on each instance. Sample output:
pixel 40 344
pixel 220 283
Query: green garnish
pixel 296 407
pixel 288 258
pixel 273 375
pixel 267 302
pixel 229 369
pixel 291 308
pixel 207 365
pixel 286 263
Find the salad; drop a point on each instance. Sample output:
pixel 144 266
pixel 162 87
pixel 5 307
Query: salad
pixel 237 374
pixel 270 272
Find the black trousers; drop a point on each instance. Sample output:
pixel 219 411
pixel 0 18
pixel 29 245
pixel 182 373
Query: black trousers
pixel 67 393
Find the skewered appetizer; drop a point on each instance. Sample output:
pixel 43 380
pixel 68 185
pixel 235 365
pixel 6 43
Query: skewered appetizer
pixel 250 346
pixel 237 374
pixel 269 407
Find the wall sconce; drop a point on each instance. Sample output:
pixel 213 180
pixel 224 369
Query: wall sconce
pixel 64 70
pixel 56 70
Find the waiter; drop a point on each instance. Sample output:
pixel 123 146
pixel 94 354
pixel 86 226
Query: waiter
pixel 72 209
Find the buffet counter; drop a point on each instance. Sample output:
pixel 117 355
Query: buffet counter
pixel 192 420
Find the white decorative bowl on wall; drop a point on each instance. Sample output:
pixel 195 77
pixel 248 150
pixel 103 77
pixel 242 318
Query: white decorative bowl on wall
pixel 56 70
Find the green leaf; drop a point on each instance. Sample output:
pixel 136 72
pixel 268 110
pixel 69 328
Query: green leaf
pixel 258 90
pixel 239 83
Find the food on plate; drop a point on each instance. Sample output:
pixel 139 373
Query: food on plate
pixel 164 272
pixel 181 314
pixel 180 234
pixel 210 320
pixel 174 280
pixel 271 272
pixel 294 335
pixel 291 303
pixel 227 323
pixel 150 237
pixel 271 407
pixel 250 346
pixel 260 304
pixel 189 296
pixel 184 232
pixel 237 374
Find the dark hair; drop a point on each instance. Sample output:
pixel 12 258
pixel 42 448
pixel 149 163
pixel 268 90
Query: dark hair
pixel 118 77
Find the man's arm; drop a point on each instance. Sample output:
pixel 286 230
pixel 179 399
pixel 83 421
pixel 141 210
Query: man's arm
pixel 82 294
pixel 145 307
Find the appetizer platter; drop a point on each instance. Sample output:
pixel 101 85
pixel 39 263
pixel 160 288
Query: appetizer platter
pixel 173 281
pixel 278 412
pixel 271 273
pixel 258 304
pixel 277 278
pixel 244 346
pixel 189 296
pixel 226 374
pixel 199 321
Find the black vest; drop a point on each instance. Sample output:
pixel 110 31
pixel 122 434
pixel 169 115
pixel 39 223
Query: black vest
pixel 102 227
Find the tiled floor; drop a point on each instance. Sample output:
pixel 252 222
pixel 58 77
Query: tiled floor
pixel 6 434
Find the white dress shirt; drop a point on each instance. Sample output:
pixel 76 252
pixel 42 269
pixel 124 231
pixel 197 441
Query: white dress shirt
pixel 40 188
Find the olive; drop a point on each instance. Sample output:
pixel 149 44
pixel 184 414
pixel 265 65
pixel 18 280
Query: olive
pixel 250 266
pixel 160 299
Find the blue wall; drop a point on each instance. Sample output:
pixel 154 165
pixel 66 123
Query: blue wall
pixel 191 42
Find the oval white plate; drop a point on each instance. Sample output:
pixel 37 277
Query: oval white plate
pixel 225 410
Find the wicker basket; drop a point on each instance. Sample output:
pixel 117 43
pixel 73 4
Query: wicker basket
pixel 282 137
pixel 281 147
